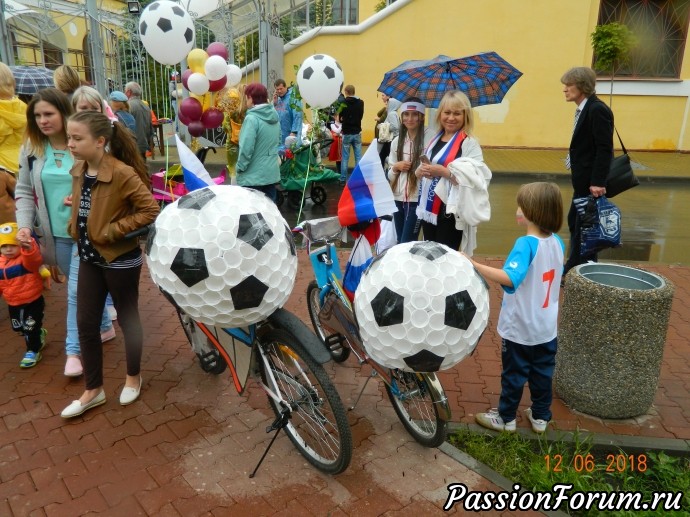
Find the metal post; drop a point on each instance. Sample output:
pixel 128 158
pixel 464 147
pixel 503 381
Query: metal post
pixel 6 54
pixel 96 47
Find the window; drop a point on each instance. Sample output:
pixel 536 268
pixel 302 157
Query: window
pixel 661 27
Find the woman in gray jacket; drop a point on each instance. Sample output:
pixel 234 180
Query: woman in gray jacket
pixel 258 166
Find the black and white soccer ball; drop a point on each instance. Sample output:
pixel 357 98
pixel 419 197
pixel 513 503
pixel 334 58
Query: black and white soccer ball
pixel 320 80
pixel 421 307
pixel 224 254
pixel 167 31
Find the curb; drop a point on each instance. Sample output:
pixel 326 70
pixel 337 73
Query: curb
pixel 633 444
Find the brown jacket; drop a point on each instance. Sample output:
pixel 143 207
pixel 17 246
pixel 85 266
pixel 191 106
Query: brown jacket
pixel 120 203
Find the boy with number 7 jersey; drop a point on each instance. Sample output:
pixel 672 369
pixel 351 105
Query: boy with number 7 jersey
pixel 528 321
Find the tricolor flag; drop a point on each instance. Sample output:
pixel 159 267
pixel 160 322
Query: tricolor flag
pixel 195 175
pixel 368 194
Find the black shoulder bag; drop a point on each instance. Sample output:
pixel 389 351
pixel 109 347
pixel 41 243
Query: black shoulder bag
pixel 621 176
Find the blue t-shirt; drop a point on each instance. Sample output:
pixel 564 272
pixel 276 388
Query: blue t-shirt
pixel 57 185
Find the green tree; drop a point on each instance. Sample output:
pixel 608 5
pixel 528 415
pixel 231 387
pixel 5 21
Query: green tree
pixel 612 44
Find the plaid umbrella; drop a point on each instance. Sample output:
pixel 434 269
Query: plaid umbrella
pixel 485 78
pixel 30 79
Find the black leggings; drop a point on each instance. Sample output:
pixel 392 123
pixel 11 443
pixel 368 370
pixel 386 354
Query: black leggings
pixel 444 231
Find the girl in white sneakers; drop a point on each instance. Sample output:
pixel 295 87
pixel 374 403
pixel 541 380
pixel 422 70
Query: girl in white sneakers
pixel 531 278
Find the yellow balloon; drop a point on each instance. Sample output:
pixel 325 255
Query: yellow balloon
pixel 204 100
pixel 196 59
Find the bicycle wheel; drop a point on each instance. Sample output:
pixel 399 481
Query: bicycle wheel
pixel 318 426
pixel 339 352
pixel 416 408
pixel 210 359
pixel 318 195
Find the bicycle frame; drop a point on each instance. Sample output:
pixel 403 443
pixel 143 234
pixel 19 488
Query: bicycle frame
pixel 337 315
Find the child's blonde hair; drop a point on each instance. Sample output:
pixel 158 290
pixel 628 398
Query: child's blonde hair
pixel 542 204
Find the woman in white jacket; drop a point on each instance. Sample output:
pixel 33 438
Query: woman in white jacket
pixel 406 150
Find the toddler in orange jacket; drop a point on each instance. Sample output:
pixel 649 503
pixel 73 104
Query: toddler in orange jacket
pixel 21 285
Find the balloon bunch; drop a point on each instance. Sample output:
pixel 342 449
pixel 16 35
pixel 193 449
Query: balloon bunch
pixel 207 74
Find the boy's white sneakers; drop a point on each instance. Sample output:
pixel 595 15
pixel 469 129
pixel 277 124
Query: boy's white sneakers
pixel 492 420
pixel 538 425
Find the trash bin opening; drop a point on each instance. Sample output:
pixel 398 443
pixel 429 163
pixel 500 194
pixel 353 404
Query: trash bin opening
pixel 623 277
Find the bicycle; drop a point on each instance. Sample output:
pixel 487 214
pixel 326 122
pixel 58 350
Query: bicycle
pixel 287 358
pixel 417 398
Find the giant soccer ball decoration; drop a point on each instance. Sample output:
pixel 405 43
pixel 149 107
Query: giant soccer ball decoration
pixel 320 80
pixel 224 254
pixel 421 307
pixel 166 31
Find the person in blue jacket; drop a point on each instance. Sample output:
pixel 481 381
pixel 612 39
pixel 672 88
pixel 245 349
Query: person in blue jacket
pixel 289 110
pixel 258 166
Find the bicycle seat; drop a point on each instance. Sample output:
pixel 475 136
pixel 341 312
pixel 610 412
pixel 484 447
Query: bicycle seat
pixel 323 230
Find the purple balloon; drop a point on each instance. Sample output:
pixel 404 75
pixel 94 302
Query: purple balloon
pixel 182 118
pixel 217 49
pixel 215 86
pixel 212 118
pixel 191 109
pixel 185 78
pixel 196 128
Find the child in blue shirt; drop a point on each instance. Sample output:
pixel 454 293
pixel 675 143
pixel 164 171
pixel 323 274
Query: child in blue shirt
pixel 527 323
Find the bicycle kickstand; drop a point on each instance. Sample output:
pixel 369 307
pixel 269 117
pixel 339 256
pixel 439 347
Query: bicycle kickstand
pixel 280 422
pixel 353 406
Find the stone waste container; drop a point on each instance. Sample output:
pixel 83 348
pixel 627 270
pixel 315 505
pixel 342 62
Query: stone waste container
pixel 611 339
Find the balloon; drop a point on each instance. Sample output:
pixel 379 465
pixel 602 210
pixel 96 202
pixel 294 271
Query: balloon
pixel 212 118
pixel 217 49
pixel 218 85
pixel 196 128
pixel 196 60
pixel 234 75
pixel 215 68
pixel 191 109
pixel 204 100
pixel 184 120
pixel 167 31
pixel 185 78
pixel 320 80
pixel 198 83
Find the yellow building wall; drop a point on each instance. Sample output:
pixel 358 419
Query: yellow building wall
pixel 542 38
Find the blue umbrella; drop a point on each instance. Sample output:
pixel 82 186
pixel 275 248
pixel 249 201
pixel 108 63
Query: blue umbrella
pixel 31 79
pixel 485 78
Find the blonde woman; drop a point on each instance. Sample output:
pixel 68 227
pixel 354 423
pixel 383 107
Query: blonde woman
pixel 453 141
pixel 12 126
pixel 66 79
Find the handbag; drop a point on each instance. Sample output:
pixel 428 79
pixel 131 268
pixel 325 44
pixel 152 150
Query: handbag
pixel 385 134
pixel 600 224
pixel 621 176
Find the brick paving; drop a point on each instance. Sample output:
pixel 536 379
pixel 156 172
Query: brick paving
pixel 187 445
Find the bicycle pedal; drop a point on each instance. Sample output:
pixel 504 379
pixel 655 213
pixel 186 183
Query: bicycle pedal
pixel 334 339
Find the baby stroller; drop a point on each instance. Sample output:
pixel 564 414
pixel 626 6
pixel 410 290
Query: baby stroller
pixel 167 186
pixel 293 174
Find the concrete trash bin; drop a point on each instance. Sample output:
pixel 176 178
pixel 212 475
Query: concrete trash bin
pixel 611 339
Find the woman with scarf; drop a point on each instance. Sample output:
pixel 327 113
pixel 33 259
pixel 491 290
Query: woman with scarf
pixel 453 141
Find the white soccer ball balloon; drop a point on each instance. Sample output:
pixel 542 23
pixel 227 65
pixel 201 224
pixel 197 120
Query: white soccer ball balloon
pixel 167 31
pixel 421 307
pixel 224 254
pixel 320 80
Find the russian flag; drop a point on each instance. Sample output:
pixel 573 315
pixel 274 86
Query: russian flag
pixel 195 175
pixel 359 260
pixel 368 194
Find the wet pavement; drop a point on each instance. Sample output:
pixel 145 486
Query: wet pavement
pixel 187 445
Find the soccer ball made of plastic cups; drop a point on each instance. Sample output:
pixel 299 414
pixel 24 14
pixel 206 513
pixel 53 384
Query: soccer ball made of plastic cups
pixel 421 307
pixel 224 254
pixel 320 80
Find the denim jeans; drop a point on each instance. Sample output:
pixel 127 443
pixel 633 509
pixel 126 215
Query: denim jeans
pixel 356 142
pixel 269 190
pixel 68 261
pixel 532 364
pixel 406 223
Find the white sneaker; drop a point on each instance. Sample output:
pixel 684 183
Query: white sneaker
pixel 492 420
pixel 538 425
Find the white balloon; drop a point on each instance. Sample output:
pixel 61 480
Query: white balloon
pixel 224 254
pixel 167 31
pixel 215 67
pixel 234 74
pixel 421 307
pixel 198 83
pixel 320 80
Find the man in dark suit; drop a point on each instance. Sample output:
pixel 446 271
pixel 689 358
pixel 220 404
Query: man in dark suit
pixel 590 151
